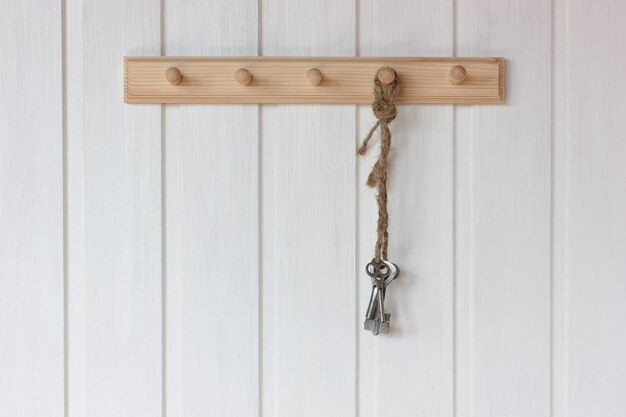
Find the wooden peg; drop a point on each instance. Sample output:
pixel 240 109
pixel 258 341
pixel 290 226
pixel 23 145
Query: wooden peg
pixel 173 75
pixel 457 74
pixel 386 75
pixel 243 76
pixel 314 76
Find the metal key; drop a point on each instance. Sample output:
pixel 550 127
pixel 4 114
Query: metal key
pixel 376 318
pixel 372 310
pixel 385 317
pixel 382 274
pixel 372 317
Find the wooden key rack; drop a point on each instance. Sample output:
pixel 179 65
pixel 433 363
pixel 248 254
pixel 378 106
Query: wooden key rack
pixel 323 80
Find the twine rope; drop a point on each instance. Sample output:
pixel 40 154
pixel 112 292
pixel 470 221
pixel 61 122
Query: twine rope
pixel 384 109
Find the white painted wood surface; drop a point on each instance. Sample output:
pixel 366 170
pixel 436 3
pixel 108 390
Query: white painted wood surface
pixel 212 223
pixel 208 260
pixel 590 234
pixel 504 190
pixel 31 211
pixel 308 226
pixel 114 216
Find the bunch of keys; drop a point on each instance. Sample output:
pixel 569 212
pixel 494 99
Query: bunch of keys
pixel 382 274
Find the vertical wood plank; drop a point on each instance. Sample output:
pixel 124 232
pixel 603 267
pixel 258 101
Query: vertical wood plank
pixel 31 210
pixel 308 225
pixel 591 233
pixel 75 207
pixel 505 155
pixel 212 225
pixel 114 216
pixel 560 349
pixel 409 371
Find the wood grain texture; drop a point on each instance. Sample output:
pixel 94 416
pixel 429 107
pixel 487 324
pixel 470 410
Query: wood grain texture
pixel 211 197
pixel 114 216
pixel 283 80
pixel 31 210
pixel 75 208
pixel 409 371
pixel 591 236
pixel 308 226
pixel 503 213
pixel 559 366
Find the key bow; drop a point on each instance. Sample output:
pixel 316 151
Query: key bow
pixel 378 269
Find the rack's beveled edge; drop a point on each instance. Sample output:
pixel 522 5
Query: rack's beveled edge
pixel 126 93
pixel 314 58
pixel 502 79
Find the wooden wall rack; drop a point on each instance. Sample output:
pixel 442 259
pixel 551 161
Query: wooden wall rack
pixel 329 80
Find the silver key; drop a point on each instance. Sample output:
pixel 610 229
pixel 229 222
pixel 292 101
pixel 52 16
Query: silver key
pixel 382 274
pixel 377 271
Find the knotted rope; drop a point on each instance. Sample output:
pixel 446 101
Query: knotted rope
pixel 384 109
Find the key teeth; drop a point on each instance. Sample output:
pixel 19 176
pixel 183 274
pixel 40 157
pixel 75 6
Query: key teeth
pixel 377 327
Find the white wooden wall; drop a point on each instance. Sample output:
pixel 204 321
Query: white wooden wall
pixel 207 260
